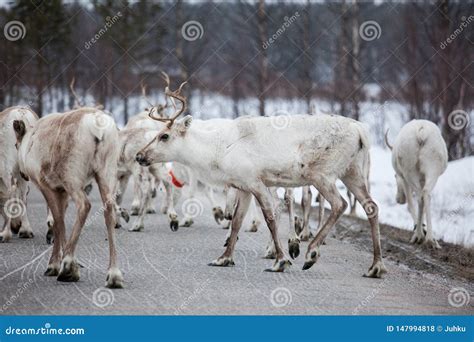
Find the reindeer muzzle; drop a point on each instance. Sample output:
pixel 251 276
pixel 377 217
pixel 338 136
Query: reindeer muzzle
pixel 141 159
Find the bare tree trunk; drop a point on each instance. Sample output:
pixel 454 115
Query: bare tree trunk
pixel 263 58
pixel 355 97
pixel 307 58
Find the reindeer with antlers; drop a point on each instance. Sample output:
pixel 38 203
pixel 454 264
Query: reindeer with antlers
pixel 251 155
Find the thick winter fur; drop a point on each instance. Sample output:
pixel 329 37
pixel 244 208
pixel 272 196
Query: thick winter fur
pixel 253 154
pixel 13 187
pixel 419 157
pixel 61 154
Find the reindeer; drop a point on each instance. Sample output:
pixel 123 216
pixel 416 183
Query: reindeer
pixel 13 187
pixel 61 153
pixel 419 157
pixel 251 155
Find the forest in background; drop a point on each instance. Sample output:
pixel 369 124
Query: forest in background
pixel 264 49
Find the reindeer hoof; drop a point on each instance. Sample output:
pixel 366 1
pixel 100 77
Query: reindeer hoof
pixel 138 228
pixel 69 271
pixel 298 225
pixel 153 193
pixel 294 248
pixel 432 243
pixel 151 211
pixel 253 227
pixel 218 214
pixel 279 266
pixel 49 237
pixel 174 225
pixel 188 223
pixel 114 279
pixel 227 225
pixel 52 270
pixel 118 226
pixel 417 238
pixel 5 237
pixel 222 262
pixel 26 234
pixel 270 253
pixel 311 258
pixel 125 215
pixel 376 270
pixel 134 211
pixel 305 237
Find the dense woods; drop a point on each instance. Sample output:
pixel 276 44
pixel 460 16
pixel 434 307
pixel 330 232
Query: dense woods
pixel 417 53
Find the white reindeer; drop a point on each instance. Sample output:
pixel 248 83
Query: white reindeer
pixel 13 187
pixel 253 154
pixel 419 157
pixel 61 154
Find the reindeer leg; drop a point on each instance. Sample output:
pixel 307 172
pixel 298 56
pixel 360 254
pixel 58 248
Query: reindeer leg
pixel 241 207
pixel 121 212
pixel 57 203
pixel 6 233
pixel 114 275
pixel 136 197
pixel 265 197
pixel 329 191
pixel 69 271
pixel 358 186
pixel 306 206
pixel 429 239
pixel 49 223
pixel 255 217
pixel 293 240
pixel 150 208
pixel 144 193
pixel 25 231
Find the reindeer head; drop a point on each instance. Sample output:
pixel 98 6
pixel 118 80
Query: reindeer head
pixel 168 141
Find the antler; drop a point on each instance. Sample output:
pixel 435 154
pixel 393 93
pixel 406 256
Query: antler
pixel 71 86
pixel 173 95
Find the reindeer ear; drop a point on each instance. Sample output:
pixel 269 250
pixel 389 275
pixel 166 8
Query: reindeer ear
pixel 185 123
pixel 20 129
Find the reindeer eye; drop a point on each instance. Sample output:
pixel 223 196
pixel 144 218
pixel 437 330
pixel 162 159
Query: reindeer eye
pixel 164 137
